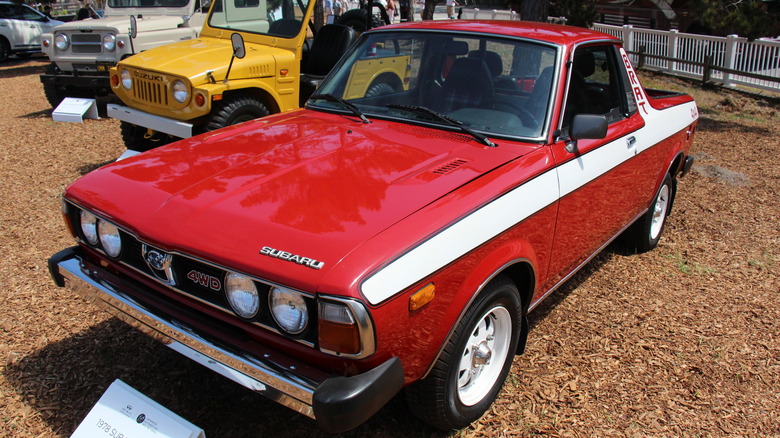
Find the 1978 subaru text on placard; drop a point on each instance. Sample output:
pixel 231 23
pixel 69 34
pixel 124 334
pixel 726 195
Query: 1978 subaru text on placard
pixel 393 235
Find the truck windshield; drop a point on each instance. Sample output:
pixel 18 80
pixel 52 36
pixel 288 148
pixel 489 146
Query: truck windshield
pixel 147 3
pixel 493 85
pixel 280 18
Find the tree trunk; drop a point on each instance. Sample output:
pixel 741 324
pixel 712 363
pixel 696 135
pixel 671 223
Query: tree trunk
pixel 534 10
pixel 430 6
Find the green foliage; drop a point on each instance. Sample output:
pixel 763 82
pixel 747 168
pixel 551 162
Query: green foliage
pixel 748 18
pixel 580 13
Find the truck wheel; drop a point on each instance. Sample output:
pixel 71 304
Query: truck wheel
pixel 54 94
pixel 233 111
pixel 472 367
pixel 356 19
pixel 645 233
pixel 5 49
pixel 384 85
pixel 136 137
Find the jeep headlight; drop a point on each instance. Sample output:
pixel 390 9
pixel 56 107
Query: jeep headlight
pixel 289 310
pixel 242 295
pixel 109 42
pixel 180 92
pixel 110 238
pixel 61 41
pixel 127 81
pixel 89 227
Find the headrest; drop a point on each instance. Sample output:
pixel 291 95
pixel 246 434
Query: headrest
pixel 584 63
pixel 492 59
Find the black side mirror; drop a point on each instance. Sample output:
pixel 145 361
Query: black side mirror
pixel 586 127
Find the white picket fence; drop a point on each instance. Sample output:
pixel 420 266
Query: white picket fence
pixel 733 60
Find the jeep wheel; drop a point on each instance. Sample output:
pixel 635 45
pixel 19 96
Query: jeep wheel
pixel 472 367
pixel 645 233
pixel 356 19
pixel 137 138
pixel 54 94
pixel 385 84
pixel 5 49
pixel 233 111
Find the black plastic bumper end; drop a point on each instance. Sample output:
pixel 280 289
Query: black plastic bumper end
pixel 687 165
pixel 343 403
pixel 54 260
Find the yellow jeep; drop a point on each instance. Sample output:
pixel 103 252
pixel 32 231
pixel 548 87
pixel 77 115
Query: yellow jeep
pixel 251 60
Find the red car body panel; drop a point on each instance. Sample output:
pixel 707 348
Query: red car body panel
pixel 385 208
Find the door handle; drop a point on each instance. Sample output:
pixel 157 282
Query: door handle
pixel 631 142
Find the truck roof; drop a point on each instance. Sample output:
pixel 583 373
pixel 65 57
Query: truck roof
pixel 553 33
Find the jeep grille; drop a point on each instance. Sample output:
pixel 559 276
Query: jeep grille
pixel 150 92
pixel 87 43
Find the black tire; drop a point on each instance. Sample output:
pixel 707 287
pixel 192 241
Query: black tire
pixel 382 86
pixel 5 49
pixel 459 389
pixel 137 138
pixel 235 110
pixel 644 234
pixel 356 19
pixel 54 94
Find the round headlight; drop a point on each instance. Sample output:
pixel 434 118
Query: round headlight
pixel 180 91
pixel 109 42
pixel 109 238
pixel 242 295
pixel 127 81
pixel 61 41
pixel 89 227
pixel 289 310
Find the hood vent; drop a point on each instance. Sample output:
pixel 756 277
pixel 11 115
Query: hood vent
pixel 449 167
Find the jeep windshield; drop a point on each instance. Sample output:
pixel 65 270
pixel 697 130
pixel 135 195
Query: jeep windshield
pixel 496 86
pixel 279 18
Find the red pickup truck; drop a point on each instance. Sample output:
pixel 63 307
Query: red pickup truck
pixel 392 235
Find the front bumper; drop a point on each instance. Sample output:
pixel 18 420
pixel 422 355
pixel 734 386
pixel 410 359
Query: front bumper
pixel 337 403
pixel 173 127
pixel 97 82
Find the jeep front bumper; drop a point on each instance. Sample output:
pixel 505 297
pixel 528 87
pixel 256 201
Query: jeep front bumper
pixel 337 403
pixel 167 125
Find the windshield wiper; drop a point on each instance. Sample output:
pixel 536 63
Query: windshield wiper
pixel 441 117
pixel 349 105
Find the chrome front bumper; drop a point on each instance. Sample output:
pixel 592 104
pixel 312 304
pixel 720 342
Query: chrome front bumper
pixel 173 127
pixel 337 403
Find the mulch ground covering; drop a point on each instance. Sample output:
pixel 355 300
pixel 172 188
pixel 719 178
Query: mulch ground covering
pixel 681 341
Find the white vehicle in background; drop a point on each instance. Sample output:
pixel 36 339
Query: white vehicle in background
pixel 83 51
pixel 20 29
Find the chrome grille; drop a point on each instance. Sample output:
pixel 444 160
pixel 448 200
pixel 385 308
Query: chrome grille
pixel 151 92
pixel 87 43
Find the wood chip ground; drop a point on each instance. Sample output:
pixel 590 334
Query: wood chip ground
pixel 681 342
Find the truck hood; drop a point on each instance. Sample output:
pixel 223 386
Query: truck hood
pixel 121 24
pixel 312 184
pixel 187 58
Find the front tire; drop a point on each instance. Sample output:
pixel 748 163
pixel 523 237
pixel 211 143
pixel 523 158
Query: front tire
pixel 472 368
pixel 139 139
pixel 236 110
pixel 5 49
pixel 54 94
pixel 645 233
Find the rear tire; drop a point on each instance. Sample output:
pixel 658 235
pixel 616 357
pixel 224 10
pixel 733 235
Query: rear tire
pixel 645 233
pixel 233 111
pixel 137 138
pixel 474 364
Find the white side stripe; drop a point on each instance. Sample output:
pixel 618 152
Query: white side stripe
pixel 519 204
pixel 462 237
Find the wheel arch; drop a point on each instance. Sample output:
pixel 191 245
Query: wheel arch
pixel 261 94
pixel 390 77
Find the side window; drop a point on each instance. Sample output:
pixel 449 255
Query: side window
pixel 597 85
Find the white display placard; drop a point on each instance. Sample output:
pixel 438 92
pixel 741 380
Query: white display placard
pixel 123 412
pixel 73 109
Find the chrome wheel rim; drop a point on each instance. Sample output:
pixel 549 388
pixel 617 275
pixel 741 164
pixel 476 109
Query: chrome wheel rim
pixel 659 212
pixel 484 355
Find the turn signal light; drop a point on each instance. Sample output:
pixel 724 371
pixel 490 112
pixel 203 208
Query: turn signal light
pixel 114 80
pixel 422 297
pixel 338 331
pixel 200 100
